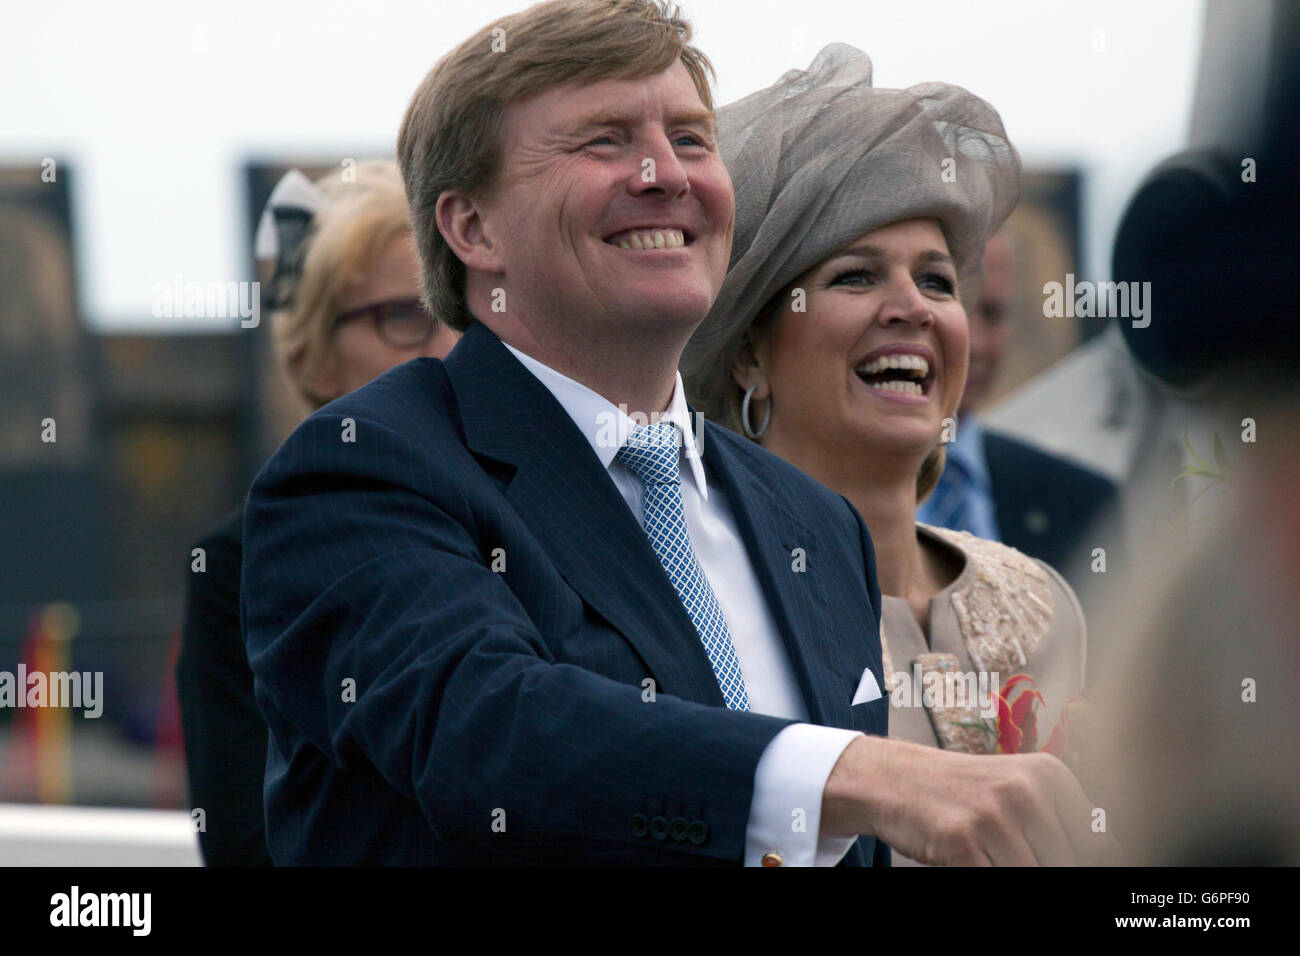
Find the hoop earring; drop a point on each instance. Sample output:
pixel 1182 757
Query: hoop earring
pixel 744 415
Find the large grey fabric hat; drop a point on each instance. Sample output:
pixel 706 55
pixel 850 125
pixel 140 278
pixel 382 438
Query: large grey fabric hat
pixel 820 158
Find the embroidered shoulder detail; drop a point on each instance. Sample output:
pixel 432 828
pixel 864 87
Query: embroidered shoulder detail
pixel 956 728
pixel 886 659
pixel 1005 607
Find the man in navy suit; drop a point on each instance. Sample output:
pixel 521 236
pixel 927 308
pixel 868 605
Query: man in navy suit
pixel 521 606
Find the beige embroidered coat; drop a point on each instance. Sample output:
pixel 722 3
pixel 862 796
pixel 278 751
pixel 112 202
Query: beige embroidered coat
pixel 1005 614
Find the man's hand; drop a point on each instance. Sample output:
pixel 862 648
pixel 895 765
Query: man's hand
pixel 952 809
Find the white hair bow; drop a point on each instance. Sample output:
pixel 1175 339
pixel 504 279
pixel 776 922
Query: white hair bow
pixel 288 214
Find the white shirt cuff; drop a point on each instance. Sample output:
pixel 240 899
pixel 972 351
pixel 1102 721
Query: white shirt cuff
pixel 785 813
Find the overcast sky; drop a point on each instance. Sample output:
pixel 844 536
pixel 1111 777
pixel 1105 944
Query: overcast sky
pixel 158 105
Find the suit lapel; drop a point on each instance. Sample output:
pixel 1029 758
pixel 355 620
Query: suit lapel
pixel 569 502
pixel 771 533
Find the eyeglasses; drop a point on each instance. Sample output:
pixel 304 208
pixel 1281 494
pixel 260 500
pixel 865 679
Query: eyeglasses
pixel 401 323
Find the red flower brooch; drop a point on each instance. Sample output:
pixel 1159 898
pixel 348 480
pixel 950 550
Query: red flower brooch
pixel 1017 723
pixel 1017 715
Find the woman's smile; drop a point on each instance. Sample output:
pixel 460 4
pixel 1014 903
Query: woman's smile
pixel 899 373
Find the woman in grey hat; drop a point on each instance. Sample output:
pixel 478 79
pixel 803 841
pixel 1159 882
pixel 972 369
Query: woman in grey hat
pixel 839 342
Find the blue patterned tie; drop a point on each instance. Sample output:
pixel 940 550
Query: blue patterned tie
pixel 960 502
pixel 653 452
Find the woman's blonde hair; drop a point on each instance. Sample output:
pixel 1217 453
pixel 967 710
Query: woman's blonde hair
pixel 363 210
pixel 451 136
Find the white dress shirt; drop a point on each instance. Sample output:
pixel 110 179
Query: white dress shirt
pixel 785 813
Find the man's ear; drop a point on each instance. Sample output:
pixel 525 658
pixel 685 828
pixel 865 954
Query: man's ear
pixel 747 368
pixel 460 220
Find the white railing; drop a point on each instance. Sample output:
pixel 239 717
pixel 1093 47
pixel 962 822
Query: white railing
pixel 33 835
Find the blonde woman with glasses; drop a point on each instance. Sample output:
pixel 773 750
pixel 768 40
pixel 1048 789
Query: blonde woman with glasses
pixel 346 308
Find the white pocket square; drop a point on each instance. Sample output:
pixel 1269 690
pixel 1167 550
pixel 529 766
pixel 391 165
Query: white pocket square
pixel 868 689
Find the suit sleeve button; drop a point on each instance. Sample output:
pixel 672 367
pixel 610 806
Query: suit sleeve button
pixel 659 827
pixel 640 825
pixel 678 828
pixel 773 859
pixel 698 832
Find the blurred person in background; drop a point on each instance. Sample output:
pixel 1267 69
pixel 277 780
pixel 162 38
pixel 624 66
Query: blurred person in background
pixel 999 487
pixel 1197 759
pixel 839 342
pixel 346 308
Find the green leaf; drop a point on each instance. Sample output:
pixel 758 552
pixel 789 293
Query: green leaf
pixel 1204 490
pixel 1196 473
pixel 1220 459
pixel 1192 451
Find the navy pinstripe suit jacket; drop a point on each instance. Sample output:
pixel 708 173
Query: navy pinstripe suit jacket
pixel 426 708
